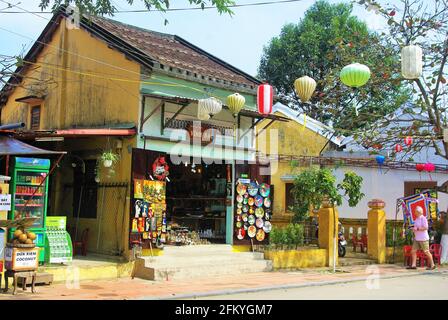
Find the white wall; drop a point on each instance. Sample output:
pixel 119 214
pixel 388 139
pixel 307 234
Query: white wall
pixel 387 185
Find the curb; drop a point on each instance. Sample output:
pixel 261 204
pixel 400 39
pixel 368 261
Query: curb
pixel 282 287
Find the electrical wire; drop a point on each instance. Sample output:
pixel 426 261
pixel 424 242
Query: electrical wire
pixel 179 9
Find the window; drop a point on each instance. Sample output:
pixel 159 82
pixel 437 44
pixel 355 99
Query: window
pixel 289 199
pixel 35 118
pixel 86 187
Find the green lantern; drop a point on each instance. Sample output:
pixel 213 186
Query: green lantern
pixel 355 75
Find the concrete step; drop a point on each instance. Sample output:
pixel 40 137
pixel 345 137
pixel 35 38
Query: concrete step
pixel 194 259
pixel 209 270
pixel 197 250
pixel 357 255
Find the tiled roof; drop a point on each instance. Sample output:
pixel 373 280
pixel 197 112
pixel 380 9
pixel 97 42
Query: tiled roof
pixel 173 51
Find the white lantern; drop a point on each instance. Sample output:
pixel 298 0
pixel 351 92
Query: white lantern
pixel 209 106
pixel 411 62
pixel 202 115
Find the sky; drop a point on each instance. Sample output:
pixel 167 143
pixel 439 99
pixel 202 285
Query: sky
pixel 238 40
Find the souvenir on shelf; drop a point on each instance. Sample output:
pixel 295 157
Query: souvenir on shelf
pixel 252 231
pixel 267 202
pixel 258 201
pixel 241 189
pixel 251 201
pixel 259 223
pixel 251 220
pixel 259 213
pixel 252 189
pixel 267 227
pixel 241 233
pixel 265 190
pixel 260 235
pixel 239 198
pixel 138 189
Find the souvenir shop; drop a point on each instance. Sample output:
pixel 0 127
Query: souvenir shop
pixel 192 202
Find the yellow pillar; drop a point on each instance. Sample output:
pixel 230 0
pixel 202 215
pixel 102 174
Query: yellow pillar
pixel 376 227
pixel 328 218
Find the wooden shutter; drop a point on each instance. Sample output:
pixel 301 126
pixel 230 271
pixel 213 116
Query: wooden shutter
pixel 35 118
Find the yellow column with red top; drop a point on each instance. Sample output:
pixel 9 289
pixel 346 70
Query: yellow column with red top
pixel 376 228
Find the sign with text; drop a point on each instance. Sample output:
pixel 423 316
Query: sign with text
pixel 5 202
pixel 21 259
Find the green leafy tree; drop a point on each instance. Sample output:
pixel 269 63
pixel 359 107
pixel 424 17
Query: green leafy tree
pixel 107 7
pixel 328 38
pixel 312 186
pixel 423 23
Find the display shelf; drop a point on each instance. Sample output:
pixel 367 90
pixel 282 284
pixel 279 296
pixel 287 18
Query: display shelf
pixel 29 205
pixel 29 194
pixel 29 184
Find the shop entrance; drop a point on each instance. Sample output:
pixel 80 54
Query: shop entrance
pixel 196 200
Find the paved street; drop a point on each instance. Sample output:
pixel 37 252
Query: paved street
pixel 434 286
pixel 316 283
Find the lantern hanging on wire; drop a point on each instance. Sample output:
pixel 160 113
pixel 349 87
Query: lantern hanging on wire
pixel 380 161
pixel 408 141
pixel 209 106
pixel 355 76
pixel 420 167
pixel 305 87
pixel 265 98
pixel 235 102
pixel 429 167
pixel 411 62
pixel 398 148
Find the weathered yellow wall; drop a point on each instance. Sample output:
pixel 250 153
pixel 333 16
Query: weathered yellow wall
pixel 287 138
pixel 296 259
pixel 74 73
pixel 79 90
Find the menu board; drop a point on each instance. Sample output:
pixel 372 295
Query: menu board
pixel 148 219
pixel 252 211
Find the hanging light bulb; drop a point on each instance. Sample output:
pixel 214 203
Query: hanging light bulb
pixel 305 87
pixel 235 102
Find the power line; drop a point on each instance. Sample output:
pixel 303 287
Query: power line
pixel 178 9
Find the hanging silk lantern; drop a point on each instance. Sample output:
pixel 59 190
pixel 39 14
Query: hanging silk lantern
pixel 408 141
pixel 419 167
pixel 210 106
pixel 398 148
pixel 355 75
pixel 235 102
pixel 202 115
pixel 411 62
pixel 305 87
pixel 265 97
pixel 380 159
pixel 429 167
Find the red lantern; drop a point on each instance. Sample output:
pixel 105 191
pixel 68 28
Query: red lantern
pixel 420 167
pixel 398 148
pixel 429 167
pixel 408 140
pixel 265 97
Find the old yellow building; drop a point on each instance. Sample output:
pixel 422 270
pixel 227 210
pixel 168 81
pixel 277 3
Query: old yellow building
pixel 300 137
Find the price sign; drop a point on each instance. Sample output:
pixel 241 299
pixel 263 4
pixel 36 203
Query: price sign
pixel 5 202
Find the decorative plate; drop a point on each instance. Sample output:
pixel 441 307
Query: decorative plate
pixel 246 226
pixel 267 202
pixel 239 205
pixel 259 213
pixel 239 198
pixel 251 201
pixel 265 190
pixel 251 231
pixel 260 235
pixel 259 223
pixel 238 218
pixel 251 210
pixel 267 214
pixel 267 227
pixel 238 224
pixel 239 211
pixel 241 189
pixel 258 201
pixel 245 208
pixel 252 189
pixel 245 201
pixel 246 195
pixel 244 216
pixel 241 233
pixel 251 220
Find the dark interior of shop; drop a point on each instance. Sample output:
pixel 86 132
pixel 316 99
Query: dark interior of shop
pixel 196 199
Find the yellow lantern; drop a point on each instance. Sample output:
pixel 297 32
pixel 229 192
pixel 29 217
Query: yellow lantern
pixel 305 87
pixel 411 62
pixel 235 102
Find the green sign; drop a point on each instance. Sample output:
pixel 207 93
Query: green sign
pixel 56 222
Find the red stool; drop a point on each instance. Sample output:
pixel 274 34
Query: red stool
pixel 81 245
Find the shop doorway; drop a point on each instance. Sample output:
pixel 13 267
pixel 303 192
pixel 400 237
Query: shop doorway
pixel 196 199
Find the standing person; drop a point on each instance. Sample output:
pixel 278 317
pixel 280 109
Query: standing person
pixel 421 239
pixel 444 241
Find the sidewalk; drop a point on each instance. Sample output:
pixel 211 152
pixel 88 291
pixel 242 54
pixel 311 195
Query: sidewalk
pixel 126 288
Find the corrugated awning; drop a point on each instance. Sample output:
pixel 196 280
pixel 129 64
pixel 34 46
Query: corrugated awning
pixel 14 147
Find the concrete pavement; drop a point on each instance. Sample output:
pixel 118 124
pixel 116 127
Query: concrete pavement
pixel 126 288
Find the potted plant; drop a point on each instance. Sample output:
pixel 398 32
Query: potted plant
pixel 109 158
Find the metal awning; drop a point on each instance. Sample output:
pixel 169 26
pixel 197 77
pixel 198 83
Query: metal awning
pixel 14 147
